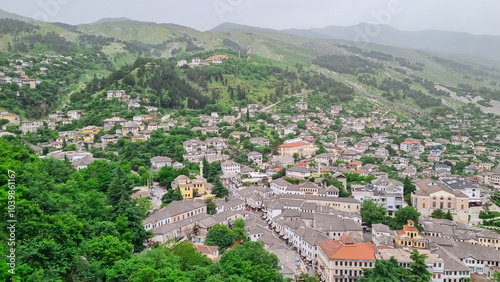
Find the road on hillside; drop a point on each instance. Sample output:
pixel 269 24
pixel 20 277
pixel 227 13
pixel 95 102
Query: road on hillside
pixel 266 109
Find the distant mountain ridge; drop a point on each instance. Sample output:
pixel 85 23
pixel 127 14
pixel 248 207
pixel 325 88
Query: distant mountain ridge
pixel 7 15
pixel 453 43
pixel 110 20
pixel 456 43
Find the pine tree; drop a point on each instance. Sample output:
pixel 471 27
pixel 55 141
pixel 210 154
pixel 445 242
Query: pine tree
pixel 448 215
pixel 418 268
pixel 119 192
pixel 219 190
pixel 211 206
pixel 408 186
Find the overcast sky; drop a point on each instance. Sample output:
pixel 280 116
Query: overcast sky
pixel 477 17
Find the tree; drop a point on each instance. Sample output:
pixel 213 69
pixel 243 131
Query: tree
pixel 301 124
pixel 438 213
pixel 219 190
pixel 402 216
pixel 305 277
pixel 250 261
pixel 171 195
pixel 120 192
pixel 373 213
pixel 109 249
pixel 408 186
pixel 189 255
pixel 221 236
pixel 496 277
pixel 448 215
pixel 211 206
pixel 418 268
pixel 239 228
pixel 368 160
pixel 384 271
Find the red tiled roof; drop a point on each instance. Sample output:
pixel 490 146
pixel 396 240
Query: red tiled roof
pixel 292 145
pixel 411 142
pixel 356 163
pixel 335 250
pixel 302 164
pixel 401 232
pixel 409 228
pixel 346 239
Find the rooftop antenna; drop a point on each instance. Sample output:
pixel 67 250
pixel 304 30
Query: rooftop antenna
pixel 249 52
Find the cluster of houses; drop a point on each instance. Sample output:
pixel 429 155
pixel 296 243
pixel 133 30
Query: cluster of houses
pixel 197 61
pixel 302 220
pixel 15 72
pixel 297 216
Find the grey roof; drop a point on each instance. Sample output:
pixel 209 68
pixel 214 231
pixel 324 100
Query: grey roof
pixel 464 250
pixel 281 182
pixel 381 228
pixel 159 159
pixel 451 262
pixel 173 209
pixel 298 168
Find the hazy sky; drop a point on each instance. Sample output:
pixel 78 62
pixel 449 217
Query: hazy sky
pixel 477 17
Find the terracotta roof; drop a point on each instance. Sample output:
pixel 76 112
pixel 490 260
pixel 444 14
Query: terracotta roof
pixel 401 232
pixel 335 250
pixel 296 144
pixel 204 249
pixel 411 142
pixel 356 163
pixel 409 228
pixel 303 164
pixel 346 239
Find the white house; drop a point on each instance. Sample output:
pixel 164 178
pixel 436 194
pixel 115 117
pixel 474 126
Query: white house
pixel 230 166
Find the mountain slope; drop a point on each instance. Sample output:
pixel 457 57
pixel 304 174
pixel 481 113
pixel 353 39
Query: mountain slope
pixel 7 15
pixel 457 43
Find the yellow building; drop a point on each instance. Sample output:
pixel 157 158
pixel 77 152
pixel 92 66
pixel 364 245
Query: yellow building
pixel 91 129
pixel 432 195
pixel 304 149
pixel 189 187
pixel 410 237
pixel 88 137
pixel 138 138
pixel 12 118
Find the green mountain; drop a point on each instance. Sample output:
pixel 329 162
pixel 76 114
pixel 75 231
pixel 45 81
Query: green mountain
pixel 398 78
pixel 456 43
pixel 7 15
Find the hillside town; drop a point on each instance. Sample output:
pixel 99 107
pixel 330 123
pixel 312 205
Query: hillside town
pixel 300 182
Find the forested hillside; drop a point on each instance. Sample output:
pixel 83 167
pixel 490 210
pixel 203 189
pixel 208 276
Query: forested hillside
pixel 84 226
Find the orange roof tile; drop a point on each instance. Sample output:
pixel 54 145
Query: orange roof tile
pixel 335 250
pixel 296 144
pixel 409 228
pixel 346 239
pixel 411 142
